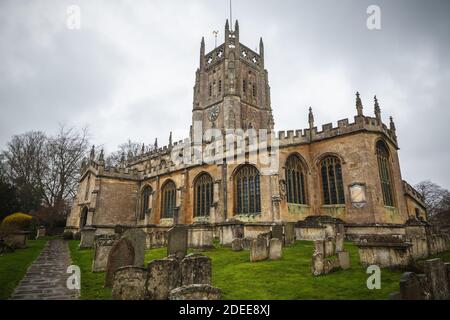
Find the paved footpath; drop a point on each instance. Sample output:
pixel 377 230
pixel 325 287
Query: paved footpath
pixel 46 277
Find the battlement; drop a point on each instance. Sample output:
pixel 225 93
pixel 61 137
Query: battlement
pixel 215 56
pixel 413 193
pixel 361 123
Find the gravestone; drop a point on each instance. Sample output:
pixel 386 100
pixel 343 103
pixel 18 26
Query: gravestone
pixel 196 269
pixel 340 234
pixel 319 246
pixel 129 283
pixel 177 241
pixel 121 255
pixel 236 245
pixel 344 260
pixel 195 292
pixel 289 233
pixel 436 273
pixel 410 287
pixel 247 243
pixel 40 232
pixel 317 267
pixel 102 246
pixel 259 250
pixel 87 238
pixel 162 277
pixel 330 247
pixel 275 249
pixel 277 232
pixel 137 237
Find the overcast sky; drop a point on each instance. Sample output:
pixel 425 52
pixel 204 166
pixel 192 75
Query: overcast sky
pixel 129 71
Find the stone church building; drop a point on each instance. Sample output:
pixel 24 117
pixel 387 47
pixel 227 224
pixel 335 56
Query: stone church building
pixel 349 171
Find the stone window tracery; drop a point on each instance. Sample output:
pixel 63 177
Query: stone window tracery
pixel 168 201
pixel 332 184
pixel 203 195
pixel 247 190
pixel 295 180
pixel 384 170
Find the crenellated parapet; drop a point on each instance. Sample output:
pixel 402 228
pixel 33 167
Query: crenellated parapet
pixel 413 193
pixel 344 127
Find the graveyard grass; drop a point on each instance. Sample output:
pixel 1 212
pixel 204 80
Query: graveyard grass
pixel 13 266
pixel 91 283
pixel 287 279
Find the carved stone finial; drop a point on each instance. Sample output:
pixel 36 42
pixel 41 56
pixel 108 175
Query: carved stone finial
pixel 359 106
pixel 143 149
pixel 156 144
pixel 122 159
pixel 170 139
pixel 311 118
pixel 92 155
pixel 101 157
pixel 377 109
pixel 392 125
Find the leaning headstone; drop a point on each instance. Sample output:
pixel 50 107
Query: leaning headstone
pixel 196 269
pixel 236 245
pixel 87 238
pixel 195 292
pixel 344 260
pixel 437 277
pixel 275 249
pixel 289 233
pixel 277 232
pixel 129 283
pixel 121 255
pixel 177 242
pixel 259 250
pixel 102 246
pixel 410 288
pixel 162 277
pixel 137 237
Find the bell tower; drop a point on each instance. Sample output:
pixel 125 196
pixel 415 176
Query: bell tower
pixel 231 86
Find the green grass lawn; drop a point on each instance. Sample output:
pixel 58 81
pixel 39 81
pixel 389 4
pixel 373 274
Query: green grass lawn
pixel 91 283
pixel 290 278
pixel 13 266
pixel 287 279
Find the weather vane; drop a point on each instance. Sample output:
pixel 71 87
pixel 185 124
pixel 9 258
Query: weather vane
pixel 215 33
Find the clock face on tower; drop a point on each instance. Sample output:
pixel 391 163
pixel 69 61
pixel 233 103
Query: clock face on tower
pixel 213 113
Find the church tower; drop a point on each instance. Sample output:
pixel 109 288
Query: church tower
pixel 231 89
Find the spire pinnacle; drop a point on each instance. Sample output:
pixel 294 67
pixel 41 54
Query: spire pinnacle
pixel 392 124
pixel 227 26
pixel 170 139
pixel 92 155
pixel 101 157
pixel 311 118
pixel 377 109
pixel 156 143
pixel 359 106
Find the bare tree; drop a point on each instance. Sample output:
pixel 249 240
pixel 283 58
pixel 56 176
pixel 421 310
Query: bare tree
pixel 436 198
pixel 64 153
pixel 130 149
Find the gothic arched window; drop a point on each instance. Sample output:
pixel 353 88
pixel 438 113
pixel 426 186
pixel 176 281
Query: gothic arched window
pixel 145 202
pixel 247 190
pixel 384 170
pixel 332 185
pixel 203 195
pixel 168 201
pixel 295 180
